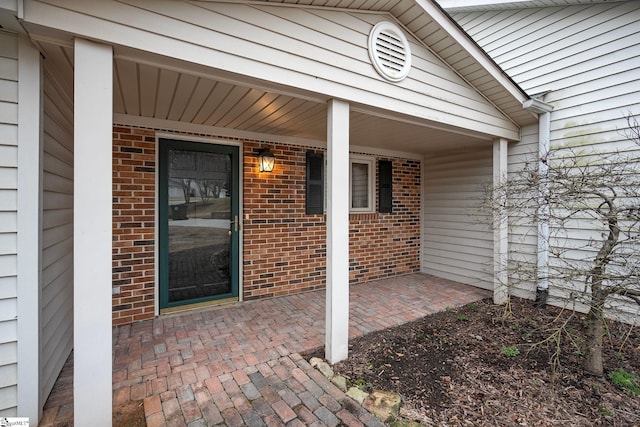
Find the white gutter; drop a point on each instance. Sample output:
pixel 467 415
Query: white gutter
pixel 544 145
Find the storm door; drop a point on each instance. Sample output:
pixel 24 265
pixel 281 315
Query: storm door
pixel 199 223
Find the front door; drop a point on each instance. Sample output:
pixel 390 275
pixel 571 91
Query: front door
pixel 199 223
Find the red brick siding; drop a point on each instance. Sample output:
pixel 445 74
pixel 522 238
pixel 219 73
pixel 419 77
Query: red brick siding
pixel 283 248
pixel 134 168
pixel 388 244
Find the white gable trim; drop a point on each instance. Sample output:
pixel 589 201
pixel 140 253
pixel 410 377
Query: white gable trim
pixel 473 49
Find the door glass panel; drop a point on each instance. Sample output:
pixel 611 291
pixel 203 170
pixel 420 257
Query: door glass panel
pixel 199 224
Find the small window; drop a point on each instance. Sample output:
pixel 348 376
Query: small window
pixel 361 177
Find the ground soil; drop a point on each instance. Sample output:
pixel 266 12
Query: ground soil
pixel 460 368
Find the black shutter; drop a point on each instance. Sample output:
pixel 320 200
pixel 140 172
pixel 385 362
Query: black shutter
pixel 315 183
pixel 385 191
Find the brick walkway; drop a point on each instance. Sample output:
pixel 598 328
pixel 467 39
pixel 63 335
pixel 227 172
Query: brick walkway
pixel 241 365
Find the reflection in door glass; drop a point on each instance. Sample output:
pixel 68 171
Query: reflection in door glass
pixel 199 220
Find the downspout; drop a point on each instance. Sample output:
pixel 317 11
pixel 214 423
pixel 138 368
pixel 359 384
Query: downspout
pixel 544 145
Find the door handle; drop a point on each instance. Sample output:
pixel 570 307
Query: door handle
pixel 236 223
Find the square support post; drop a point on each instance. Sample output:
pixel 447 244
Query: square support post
pixel 500 227
pixel 92 199
pixel 337 305
pixel 30 399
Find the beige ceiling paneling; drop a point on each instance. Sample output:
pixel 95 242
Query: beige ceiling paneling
pixel 149 77
pixel 219 92
pixel 154 92
pixel 262 110
pixel 309 121
pixel 221 109
pixel 279 113
pixel 127 75
pixel 201 93
pixel 60 60
pixel 183 96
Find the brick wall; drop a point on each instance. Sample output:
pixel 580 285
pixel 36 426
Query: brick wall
pixel 388 244
pixel 283 249
pixel 134 168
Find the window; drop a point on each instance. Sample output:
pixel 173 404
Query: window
pixel 361 177
pixel 362 184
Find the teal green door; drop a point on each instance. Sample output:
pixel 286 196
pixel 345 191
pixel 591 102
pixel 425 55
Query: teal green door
pixel 199 223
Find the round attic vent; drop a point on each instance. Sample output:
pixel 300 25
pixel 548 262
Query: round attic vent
pixel 389 51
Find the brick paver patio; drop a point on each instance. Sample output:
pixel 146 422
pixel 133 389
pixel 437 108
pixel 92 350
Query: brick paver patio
pixel 240 365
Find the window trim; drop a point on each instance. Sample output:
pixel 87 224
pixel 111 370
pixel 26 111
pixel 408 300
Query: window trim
pixel 371 183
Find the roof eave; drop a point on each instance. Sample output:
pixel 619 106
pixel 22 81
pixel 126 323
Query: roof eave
pixel 461 37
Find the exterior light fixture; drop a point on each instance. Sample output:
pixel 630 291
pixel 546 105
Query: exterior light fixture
pixel 266 160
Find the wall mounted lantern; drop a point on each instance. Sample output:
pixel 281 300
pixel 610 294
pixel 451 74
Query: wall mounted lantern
pixel 266 160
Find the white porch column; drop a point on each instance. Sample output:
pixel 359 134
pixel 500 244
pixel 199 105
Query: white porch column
pixel 337 305
pixel 93 115
pixel 29 208
pixel 500 227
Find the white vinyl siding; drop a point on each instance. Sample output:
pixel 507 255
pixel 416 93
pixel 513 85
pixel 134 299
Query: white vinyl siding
pixel 320 51
pixel 588 59
pixel 523 242
pixel 57 230
pixel 591 70
pixel 458 243
pixel 8 222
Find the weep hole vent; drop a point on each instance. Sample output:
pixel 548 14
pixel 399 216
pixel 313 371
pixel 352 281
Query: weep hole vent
pixel 389 51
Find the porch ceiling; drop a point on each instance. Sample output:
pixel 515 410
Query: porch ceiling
pixel 192 95
pixel 152 87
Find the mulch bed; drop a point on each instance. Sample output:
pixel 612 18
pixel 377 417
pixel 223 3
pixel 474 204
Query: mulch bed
pixel 483 365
